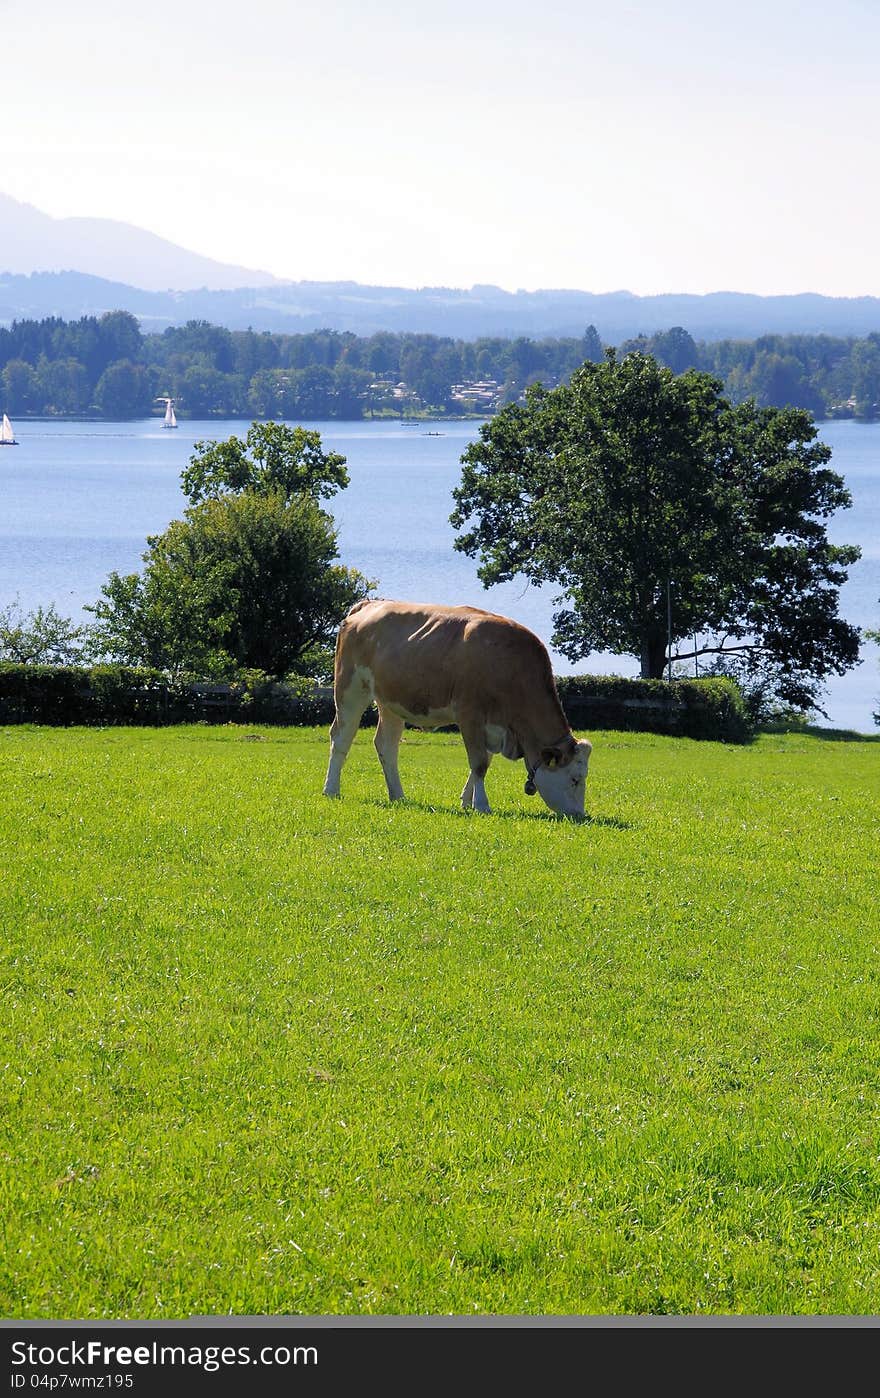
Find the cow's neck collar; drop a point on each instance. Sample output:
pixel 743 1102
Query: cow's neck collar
pixel 531 769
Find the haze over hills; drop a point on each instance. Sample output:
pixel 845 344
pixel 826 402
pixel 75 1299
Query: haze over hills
pixel 31 241
pixel 296 307
pixel 75 267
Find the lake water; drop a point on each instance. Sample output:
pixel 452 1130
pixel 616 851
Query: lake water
pixel 80 498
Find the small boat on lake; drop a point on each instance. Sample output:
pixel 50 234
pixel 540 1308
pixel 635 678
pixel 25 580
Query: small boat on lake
pixel 170 419
pixel 7 436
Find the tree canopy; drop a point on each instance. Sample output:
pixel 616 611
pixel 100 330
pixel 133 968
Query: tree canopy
pixel 243 581
pixel 248 579
pixel 661 510
pixel 40 637
pixel 272 458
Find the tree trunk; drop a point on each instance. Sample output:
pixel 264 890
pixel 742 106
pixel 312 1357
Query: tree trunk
pixel 653 657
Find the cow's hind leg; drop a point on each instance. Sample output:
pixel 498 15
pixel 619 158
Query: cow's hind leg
pixel 474 797
pixel 350 708
pixel 387 744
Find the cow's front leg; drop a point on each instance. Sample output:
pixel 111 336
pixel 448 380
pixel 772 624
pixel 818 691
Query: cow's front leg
pixel 480 799
pixel 474 795
pixel 387 745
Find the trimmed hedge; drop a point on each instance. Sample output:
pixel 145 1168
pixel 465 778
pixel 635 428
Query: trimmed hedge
pixel 119 694
pixel 115 694
pixel 710 708
pixel 99 694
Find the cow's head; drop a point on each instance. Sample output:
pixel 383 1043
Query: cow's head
pixel 561 776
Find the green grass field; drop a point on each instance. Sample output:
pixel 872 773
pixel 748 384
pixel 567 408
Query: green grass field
pixel 263 1052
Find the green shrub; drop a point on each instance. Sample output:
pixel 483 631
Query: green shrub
pixel 122 694
pixel 294 701
pixel 101 694
pixel 708 708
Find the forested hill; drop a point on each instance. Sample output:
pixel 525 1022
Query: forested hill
pixel 297 307
pixel 106 366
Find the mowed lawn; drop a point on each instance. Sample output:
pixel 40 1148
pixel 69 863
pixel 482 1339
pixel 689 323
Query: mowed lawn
pixel 263 1052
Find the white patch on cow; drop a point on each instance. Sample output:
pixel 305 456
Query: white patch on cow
pixel 349 709
pixel 473 797
pixel 495 736
pixel 480 800
pixel 564 789
pixel 434 718
pixel 361 683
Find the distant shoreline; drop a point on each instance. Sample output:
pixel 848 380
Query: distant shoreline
pixel 247 417
pixel 366 417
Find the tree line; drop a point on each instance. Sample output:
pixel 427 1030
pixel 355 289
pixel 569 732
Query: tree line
pixel 107 367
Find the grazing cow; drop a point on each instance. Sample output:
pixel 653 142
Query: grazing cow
pixel 433 666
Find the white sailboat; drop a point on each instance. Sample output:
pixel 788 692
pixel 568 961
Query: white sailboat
pixel 7 436
pixel 170 419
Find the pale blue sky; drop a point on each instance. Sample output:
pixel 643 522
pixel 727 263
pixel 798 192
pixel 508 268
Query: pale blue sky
pixel 684 146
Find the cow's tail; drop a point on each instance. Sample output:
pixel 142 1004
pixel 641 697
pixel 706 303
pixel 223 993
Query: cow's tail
pixel 340 636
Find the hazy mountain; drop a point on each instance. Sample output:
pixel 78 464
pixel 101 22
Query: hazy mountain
pixel 83 266
pixel 483 310
pixel 31 241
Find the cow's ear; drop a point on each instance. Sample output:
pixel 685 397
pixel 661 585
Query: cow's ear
pixel 561 755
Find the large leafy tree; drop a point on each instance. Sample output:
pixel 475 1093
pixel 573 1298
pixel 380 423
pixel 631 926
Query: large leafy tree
pixel 271 458
pixel 119 336
pixel 19 383
pixel 665 513
pixel 249 578
pixel 123 390
pixel 247 581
